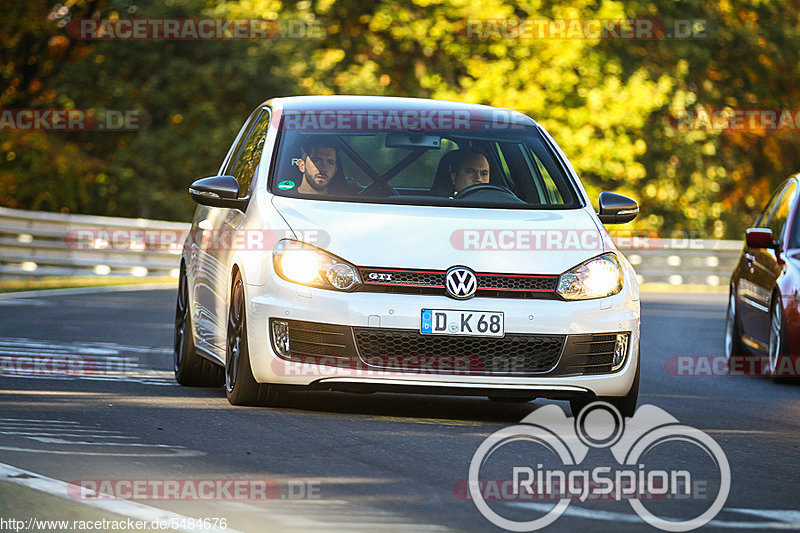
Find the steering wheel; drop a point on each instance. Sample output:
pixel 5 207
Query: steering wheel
pixel 483 187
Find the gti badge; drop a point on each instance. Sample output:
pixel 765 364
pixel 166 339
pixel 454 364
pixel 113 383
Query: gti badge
pixel 380 277
pixel 461 283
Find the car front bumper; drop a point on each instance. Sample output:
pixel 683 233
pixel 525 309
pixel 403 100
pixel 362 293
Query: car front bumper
pixel 382 312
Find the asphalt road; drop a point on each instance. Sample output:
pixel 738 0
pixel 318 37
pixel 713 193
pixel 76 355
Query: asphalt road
pixel 336 461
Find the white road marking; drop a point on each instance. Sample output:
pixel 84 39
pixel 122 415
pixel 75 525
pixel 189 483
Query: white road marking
pixel 96 361
pixel 29 302
pixel 331 515
pixel 65 435
pixel 792 522
pixel 38 420
pixel 162 382
pixel 126 508
pixel 53 351
pixel 784 515
pixel 73 429
pixel 19 342
pixel 50 440
pixel 73 434
pixel 176 453
pixel 301 515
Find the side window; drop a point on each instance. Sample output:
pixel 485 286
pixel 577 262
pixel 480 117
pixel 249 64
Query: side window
pixel 553 194
pixel 763 217
pixel 237 149
pixel 542 188
pixel 781 212
pixel 247 165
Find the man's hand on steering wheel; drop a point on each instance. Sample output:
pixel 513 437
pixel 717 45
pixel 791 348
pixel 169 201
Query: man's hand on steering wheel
pixel 485 187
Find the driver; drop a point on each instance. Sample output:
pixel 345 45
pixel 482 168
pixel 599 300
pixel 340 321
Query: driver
pixel 469 168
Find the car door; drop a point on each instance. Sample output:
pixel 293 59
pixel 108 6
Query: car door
pixel 768 266
pixel 748 301
pixel 205 273
pixel 228 221
pixel 763 268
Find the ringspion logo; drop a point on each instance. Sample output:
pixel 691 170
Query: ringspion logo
pixel 564 442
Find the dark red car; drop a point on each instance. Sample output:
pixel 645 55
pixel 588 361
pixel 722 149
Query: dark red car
pixel 764 302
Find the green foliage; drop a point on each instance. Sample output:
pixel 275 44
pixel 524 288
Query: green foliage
pixel 195 93
pixel 609 103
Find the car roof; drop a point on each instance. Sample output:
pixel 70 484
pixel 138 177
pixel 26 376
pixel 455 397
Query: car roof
pixel 352 103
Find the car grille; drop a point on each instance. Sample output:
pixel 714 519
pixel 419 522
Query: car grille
pixel 590 354
pixel 314 339
pixel 433 282
pixel 411 351
pixel 406 350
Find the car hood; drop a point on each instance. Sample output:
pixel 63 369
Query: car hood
pixel 436 238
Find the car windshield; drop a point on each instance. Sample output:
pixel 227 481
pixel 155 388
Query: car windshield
pixel 481 164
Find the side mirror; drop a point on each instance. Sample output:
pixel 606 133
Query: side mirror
pixel 616 209
pixel 218 191
pixel 759 238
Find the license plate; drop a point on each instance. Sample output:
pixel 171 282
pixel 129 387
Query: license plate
pixel 451 322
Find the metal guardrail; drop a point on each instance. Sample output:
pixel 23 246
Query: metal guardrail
pixel 34 244
pixel 696 262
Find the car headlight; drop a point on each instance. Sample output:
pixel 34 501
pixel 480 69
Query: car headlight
pixel 596 278
pixel 302 263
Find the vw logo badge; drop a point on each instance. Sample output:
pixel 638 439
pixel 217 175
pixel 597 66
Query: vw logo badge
pixel 461 283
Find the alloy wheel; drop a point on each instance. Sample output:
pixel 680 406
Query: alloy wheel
pixel 775 347
pixel 181 314
pixel 730 323
pixel 235 330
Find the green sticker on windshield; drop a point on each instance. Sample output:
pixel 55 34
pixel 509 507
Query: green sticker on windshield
pixel 285 185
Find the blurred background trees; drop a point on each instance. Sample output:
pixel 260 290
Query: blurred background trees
pixel 610 103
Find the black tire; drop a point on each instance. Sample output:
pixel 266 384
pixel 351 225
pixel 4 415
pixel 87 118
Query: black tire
pixel 733 336
pixel 576 405
pixel 191 370
pixel 777 342
pixel 241 388
pixel 626 405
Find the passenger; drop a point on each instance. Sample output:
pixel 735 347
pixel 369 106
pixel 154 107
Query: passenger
pixel 322 172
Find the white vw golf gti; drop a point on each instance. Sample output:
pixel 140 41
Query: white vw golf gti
pixel 388 244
